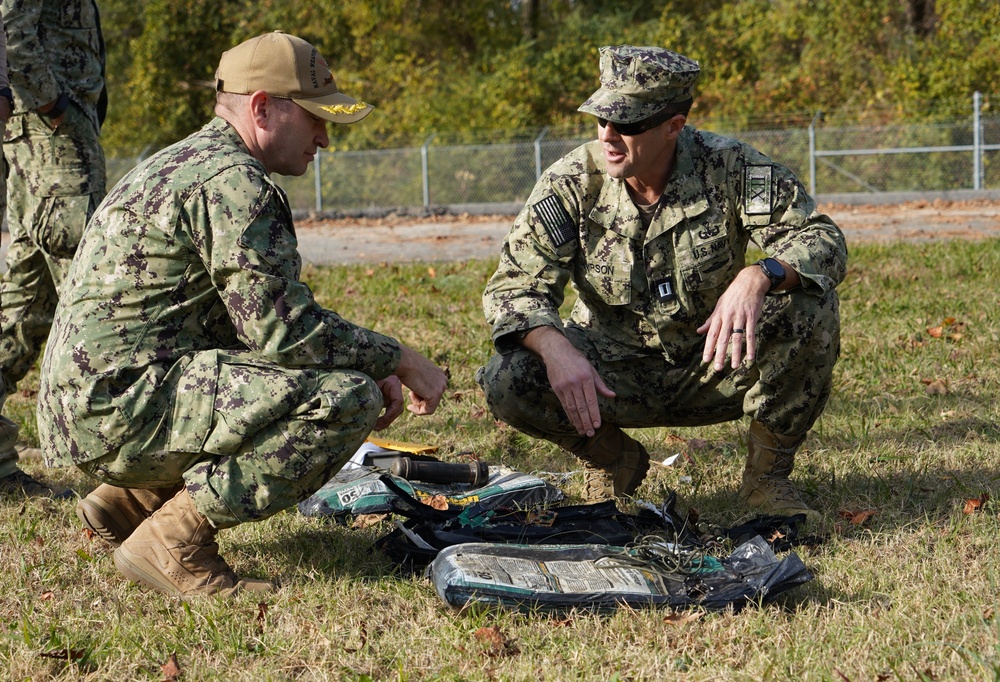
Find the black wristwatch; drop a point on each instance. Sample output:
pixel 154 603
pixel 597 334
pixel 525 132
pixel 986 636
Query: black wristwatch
pixel 775 273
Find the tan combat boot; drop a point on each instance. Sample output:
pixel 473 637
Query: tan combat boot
pixel 770 459
pixel 113 512
pixel 174 551
pixel 614 464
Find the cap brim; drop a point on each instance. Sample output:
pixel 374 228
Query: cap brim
pixel 619 108
pixel 337 107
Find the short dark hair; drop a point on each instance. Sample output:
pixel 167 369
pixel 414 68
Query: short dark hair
pixel 680 107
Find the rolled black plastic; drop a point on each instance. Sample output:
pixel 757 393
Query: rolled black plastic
pixel 475 473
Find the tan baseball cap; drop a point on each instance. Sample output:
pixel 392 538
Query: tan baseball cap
pixel 285 66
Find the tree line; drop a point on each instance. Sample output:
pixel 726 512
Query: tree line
pixel 493 65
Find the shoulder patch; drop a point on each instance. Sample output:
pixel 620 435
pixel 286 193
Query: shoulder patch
pixel 557 221
pixel 757 193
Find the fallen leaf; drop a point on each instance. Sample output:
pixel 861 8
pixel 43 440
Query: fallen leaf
pixel 776 535
pixel 261 615
pixel 364 640
pixel 564 623
pixel 856 518
pixel 976 503
pixel 681 618
pixel 439 502
pixel 432 272
pixel 698 444
pixel 495 642
pixel 89 534
pixel 362 521
pixel 48 595
pixel 171 670
pixel 937 387
pixel 936 332
pixel 491 636
pixel 64 654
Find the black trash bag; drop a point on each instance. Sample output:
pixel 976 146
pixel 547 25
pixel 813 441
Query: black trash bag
pixel 414 543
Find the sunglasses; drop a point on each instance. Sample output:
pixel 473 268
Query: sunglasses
pixel 639 127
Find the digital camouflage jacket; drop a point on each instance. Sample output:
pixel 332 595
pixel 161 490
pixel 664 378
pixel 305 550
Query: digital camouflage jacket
pixel 645 292
pixel 193 250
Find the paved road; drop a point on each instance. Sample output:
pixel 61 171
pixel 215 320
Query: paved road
pixel 450 238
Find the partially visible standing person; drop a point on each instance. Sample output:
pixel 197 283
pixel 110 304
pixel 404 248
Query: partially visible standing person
pixel 6 107
pixel 55 179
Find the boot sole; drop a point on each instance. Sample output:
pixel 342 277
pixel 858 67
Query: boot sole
pixel 103 520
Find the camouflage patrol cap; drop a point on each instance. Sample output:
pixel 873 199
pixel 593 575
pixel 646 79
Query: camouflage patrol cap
pixel 637 82
pixel 288 67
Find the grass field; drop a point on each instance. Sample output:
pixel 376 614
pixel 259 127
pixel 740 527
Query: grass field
pixel 908 591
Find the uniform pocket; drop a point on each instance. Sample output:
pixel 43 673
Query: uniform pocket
pixel 194 403
pixel 715 265
pixel 608 269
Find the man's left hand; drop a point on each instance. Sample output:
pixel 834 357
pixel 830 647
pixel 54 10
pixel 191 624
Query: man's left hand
pixel 733 323
pixel 392 400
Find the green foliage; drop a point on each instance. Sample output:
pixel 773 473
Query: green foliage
pixel 440 67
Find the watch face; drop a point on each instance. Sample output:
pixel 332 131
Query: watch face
pixel 774 269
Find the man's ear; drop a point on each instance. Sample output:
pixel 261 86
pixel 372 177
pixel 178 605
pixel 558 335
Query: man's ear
pixel 675 126
pixel 260 108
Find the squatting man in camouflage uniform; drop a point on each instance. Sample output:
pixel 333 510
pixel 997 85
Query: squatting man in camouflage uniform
pixel 189 370
pixel 651 223
pixel 56 178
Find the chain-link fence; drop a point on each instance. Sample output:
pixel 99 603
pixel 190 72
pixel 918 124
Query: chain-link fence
pixel 957 155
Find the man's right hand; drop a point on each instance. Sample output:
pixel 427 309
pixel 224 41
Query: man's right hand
pixel 573 379
pixel 425 380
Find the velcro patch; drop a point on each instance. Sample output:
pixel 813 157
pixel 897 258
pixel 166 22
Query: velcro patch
pixel 557 221
pixel 757 193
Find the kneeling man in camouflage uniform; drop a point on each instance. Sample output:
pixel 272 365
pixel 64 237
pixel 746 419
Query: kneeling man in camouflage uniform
pixel 672 326
pixel 189 369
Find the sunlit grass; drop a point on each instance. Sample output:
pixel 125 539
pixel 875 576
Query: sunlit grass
pixel 912 432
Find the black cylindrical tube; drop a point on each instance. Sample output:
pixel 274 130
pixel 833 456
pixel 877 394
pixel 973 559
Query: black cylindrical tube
pixel 475 473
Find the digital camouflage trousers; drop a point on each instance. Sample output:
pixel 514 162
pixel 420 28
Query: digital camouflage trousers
pixel 247 438
pixel 785 389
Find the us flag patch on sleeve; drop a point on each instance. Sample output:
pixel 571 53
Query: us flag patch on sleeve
pixel 557 222
pixel 757 198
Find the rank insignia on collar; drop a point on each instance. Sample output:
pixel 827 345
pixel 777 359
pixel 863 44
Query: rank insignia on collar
pixel 757 193
pixel 556 220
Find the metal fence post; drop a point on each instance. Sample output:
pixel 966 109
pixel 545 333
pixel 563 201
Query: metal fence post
pixel 316 180
pixel 538 152
pixel 977 142
pixel 812 153
pixel 423 169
